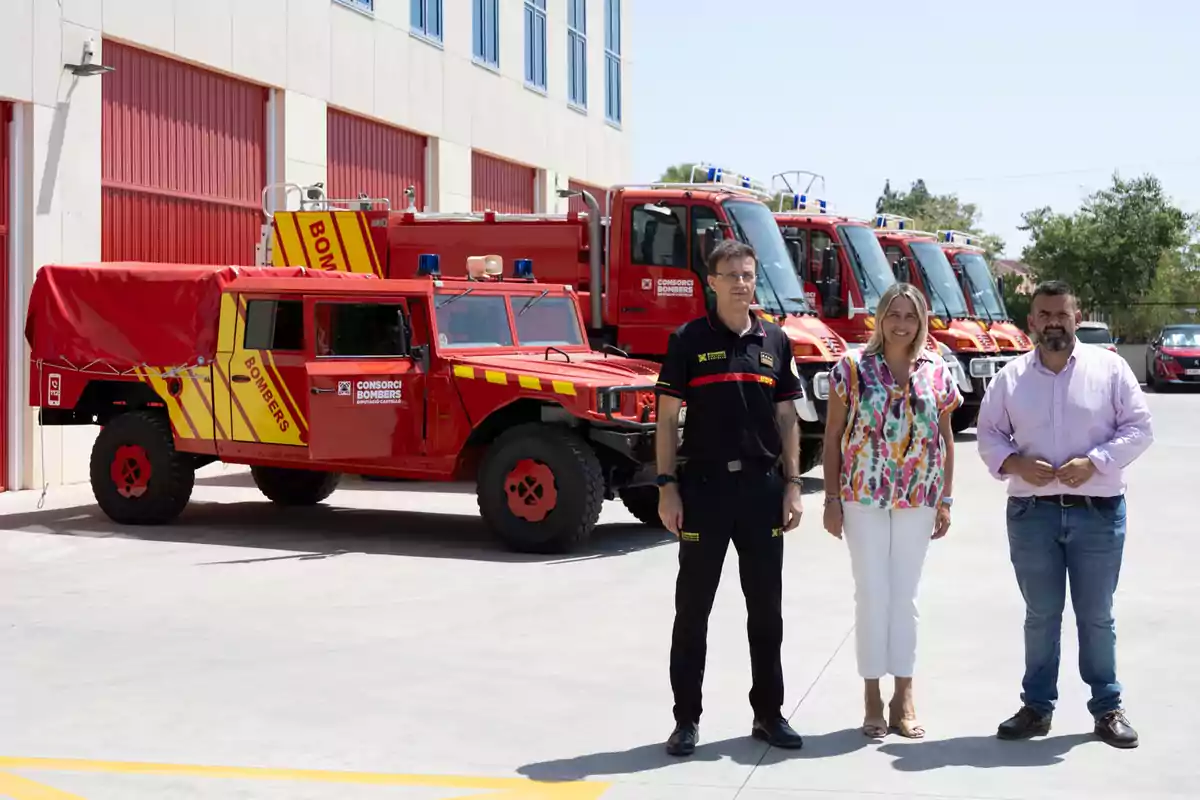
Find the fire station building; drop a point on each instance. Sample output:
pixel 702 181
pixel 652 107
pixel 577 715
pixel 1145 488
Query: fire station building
pixel 147 130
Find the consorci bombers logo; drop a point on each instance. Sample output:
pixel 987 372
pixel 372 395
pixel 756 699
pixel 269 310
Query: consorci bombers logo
pixel 378 391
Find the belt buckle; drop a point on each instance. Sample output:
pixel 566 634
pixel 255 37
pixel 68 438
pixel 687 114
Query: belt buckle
pixel 1071 500
pixel 734 466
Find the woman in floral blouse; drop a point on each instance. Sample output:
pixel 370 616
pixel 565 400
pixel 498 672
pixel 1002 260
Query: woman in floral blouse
pixel 889 465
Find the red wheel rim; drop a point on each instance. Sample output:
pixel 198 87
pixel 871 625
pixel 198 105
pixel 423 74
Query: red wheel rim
pixel 530 489
pixel 131 470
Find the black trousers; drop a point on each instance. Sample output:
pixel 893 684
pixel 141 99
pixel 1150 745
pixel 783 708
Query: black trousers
pixel 746 508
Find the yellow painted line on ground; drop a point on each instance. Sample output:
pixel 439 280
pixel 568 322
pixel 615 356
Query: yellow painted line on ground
pixel 20 788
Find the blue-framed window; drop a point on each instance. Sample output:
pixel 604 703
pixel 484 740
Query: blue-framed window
pixel 612 60
pixel 427 18
pixel 577 73
pixel 486 30
pixel 365 6
pixel 535 43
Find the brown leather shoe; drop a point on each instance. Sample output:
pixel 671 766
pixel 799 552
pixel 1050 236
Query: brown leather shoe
pixel 1025 723
pixel 1114 728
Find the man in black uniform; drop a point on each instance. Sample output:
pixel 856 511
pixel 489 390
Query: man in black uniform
pixel 739 481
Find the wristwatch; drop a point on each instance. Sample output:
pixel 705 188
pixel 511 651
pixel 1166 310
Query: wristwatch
pixel 796 479
pixel 947 501
pixel 663 480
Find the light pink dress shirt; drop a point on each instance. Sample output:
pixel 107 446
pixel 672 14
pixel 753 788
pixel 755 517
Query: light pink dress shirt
pixel 1093 408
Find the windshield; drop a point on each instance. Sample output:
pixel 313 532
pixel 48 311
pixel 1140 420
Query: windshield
pixel 1093 335
pixel 1181 337
pixel 753 224
pixel 472 320
pixel 871 268
pixel 545 322
pixel 984 297
pixel 945 295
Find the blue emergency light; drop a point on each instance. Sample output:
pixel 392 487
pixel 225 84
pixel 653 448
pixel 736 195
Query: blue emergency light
pixel 427 264
pixel 523 269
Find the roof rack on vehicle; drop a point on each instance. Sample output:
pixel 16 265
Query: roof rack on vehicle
pixel 960 238
pixel 711 179
pixel 896 222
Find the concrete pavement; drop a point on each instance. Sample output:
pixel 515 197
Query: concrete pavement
pixel 385 647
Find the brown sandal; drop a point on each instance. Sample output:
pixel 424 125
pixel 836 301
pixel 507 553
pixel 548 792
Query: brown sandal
pixel 875 727
pixel 908 727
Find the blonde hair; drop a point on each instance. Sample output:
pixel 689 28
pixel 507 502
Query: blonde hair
pixel 898 289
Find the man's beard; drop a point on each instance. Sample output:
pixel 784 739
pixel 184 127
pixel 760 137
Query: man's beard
pixel 1056 339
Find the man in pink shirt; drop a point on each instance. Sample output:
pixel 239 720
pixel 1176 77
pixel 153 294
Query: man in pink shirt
pixel 1060 424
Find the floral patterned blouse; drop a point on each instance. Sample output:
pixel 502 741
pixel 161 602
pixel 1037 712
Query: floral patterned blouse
pixel 892 453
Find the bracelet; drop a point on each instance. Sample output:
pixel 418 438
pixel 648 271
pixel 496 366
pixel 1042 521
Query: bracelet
pixel 830 499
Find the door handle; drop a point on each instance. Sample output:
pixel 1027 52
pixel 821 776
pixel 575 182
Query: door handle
pixel 241 378
pixel 319 390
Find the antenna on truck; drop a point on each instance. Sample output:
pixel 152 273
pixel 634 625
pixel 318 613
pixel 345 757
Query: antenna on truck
pixel 802 199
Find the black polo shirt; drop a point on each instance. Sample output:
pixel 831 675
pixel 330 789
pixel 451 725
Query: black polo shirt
pixel 730 384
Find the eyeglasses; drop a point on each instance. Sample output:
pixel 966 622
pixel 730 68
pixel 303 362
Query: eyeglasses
pixel 738 277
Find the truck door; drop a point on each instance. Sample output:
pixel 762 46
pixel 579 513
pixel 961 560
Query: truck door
pixel 659 290
pixel 260 387
pixel 365 389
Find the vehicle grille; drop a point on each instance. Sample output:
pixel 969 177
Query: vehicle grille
pixel 833 344
pixel 1188 363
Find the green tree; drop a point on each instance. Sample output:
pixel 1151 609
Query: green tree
pixel 1116 247
pixel 677 173
pixel 934 212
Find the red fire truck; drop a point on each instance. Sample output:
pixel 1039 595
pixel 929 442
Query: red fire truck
pixel 638 265
pixel 306 375
pixel 984 294
pixel 838 258
pixel 919 259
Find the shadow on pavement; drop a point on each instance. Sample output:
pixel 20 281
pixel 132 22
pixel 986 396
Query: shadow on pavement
pixel 647 757
pixel 328 531
pixel 983 752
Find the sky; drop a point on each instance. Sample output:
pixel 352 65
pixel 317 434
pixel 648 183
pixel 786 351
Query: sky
pixel 1010 104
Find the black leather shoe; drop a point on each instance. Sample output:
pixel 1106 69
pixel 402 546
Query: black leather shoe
pixel 1024 724
pixel 683 739
pixel 1115 729
pixel 777 733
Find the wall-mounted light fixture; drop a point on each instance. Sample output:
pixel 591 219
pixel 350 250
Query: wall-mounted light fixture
pixel 85 67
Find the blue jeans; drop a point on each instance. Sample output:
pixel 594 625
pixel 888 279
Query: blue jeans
pixel 1047 543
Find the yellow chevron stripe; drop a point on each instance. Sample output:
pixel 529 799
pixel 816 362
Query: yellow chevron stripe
pixel 530 382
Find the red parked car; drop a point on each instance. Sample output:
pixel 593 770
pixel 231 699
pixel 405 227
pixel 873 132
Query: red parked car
pixel 1173 357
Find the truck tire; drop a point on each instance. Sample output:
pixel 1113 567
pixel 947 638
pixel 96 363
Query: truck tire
pixel 137 475
pixel 540 489
pixel 294 487
pixel 963 417
pixel 642 502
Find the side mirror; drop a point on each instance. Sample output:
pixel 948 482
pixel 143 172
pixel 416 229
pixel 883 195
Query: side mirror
pixel 420 354
pixel 831 275
pixel 1000 285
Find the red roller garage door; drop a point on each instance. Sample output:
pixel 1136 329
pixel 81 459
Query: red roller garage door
pixel 184 161
pixel 578 204
pixel 376 159
pixel 5 118
pixel 500 185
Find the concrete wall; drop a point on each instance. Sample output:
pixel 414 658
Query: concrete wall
pixel 315 53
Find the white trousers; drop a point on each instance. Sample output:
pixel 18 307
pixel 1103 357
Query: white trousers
pixel 887 553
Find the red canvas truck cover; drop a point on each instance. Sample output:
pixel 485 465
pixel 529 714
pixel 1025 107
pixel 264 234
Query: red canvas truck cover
pixel 124 315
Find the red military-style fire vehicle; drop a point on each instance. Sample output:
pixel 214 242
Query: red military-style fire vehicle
pixel 638 263
pixel 306 374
